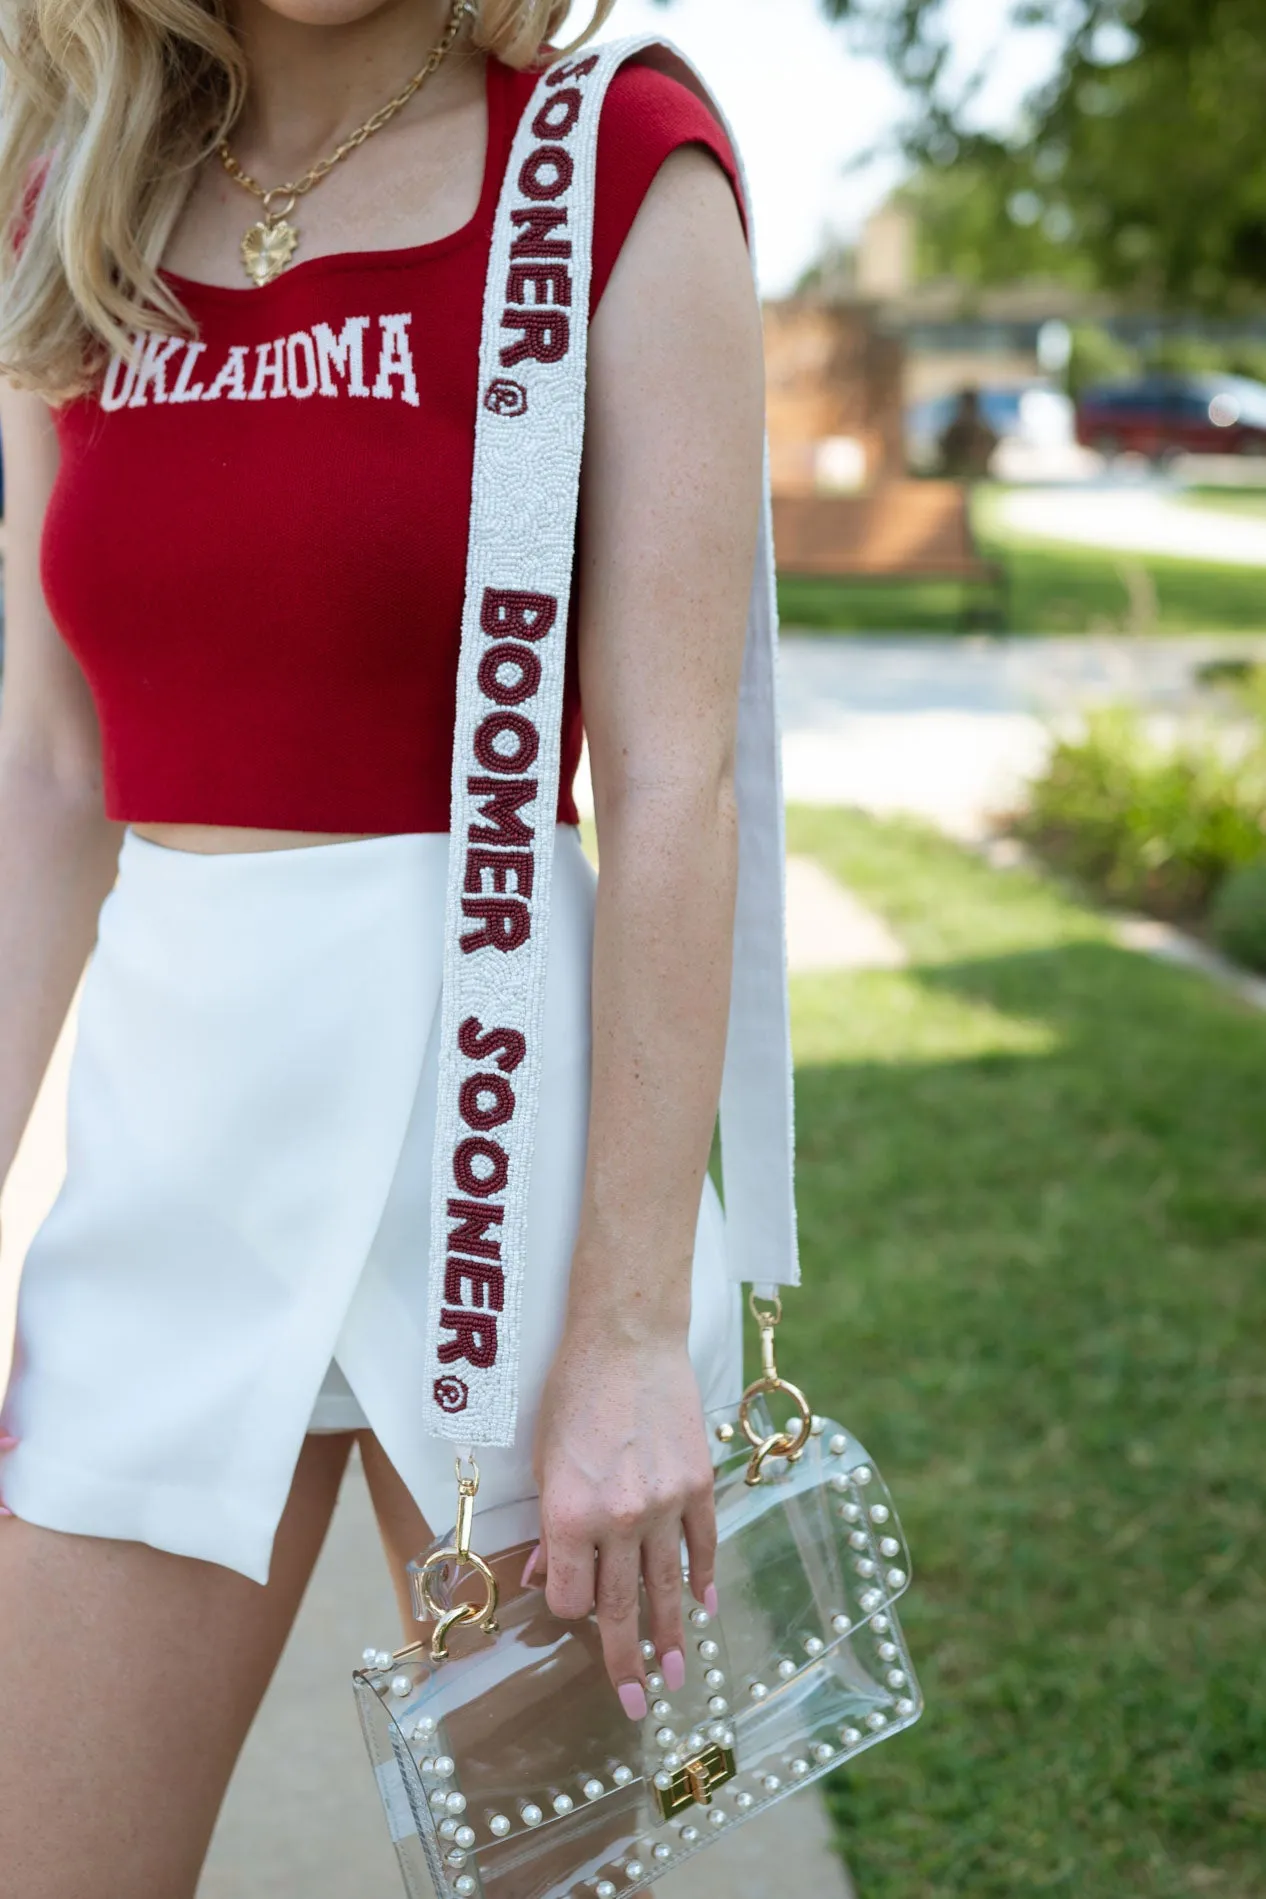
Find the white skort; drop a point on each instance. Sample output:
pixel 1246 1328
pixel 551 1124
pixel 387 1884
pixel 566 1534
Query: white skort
pixel 239 1252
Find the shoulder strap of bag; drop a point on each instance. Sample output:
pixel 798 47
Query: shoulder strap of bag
pixel 528 445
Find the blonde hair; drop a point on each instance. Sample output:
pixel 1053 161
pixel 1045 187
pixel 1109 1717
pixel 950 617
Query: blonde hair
pixel 107 108
pixel 516 30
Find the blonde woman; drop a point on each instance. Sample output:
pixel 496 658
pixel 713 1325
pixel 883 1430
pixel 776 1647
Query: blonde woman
pixel 239 461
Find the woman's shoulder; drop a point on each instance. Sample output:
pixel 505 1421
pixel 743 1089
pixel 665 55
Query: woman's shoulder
pixel 647 108
pixel 648 115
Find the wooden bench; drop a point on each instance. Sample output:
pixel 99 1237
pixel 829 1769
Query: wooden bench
pixel 902 531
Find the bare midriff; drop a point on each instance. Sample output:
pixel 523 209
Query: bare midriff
pixel 213 840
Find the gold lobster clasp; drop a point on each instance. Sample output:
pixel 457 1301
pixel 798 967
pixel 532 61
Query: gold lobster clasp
pixel 461 1613
pixel 788 1443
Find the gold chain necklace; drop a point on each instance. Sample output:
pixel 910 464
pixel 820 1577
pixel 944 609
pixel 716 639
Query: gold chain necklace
pixel 271 242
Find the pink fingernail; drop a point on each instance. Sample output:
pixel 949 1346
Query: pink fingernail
pixel 710 1602
pixel 673 1664
pixel 6 1512
pixel 633 1700
pixel 532 1561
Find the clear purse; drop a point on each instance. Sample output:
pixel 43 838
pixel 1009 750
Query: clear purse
pixel 506 1766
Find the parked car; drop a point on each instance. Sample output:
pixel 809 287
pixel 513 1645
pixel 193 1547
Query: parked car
pixel 1162 416
pixel 1034 413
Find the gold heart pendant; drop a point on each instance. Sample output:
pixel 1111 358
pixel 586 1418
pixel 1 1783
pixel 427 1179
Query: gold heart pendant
pixel 267 249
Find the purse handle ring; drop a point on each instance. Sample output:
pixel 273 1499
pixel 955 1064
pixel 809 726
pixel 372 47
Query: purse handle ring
pixel 459 1551
pixel 789 1443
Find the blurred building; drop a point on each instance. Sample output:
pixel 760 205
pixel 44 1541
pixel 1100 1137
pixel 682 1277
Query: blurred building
pixel 1004 336
pixel 866 364
pixel 956 336
pixel 836 397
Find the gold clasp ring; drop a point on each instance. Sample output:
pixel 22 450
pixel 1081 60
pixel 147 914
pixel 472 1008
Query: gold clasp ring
pixel 789 1444
pixel 465 1557
pixel 278 213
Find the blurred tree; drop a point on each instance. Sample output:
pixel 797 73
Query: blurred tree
pixel 979 222
pixel 1143 161
pixel 1140 167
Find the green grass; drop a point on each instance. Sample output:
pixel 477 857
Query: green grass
pixel 1228 500
pixel 874 607
pixel 1033 1196
pixel 1053 589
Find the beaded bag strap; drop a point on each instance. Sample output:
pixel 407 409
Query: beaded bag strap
pixel 528 446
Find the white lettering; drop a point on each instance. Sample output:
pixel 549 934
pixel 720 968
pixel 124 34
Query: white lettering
pixel 300 341
pixel 231 378
pixel 185 391
pixel 112 395
pixel 270 366
pixel 160 369
pixel 152 369
pixel 394 359
pixel 342 355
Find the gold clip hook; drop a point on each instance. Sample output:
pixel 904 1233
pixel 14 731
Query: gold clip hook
pixel 787 1443
pixel 768 1318
pixel 461 1553
pixel 467 1491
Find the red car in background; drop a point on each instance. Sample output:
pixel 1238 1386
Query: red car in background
pixel 1163 416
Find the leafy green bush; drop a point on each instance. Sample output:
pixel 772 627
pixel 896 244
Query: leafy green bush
pixel 1203 355
pixel 1240 675
pixel 1148 824
pixel 1238 916
pixel 1187 356
pixel 1246 359
pixel 1098 356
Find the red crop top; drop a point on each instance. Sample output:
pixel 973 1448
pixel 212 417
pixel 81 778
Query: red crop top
pixel 256 543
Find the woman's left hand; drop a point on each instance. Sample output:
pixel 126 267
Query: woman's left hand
pixel 624 1474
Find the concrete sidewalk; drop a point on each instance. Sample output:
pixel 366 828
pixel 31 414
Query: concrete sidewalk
pixel 952 729
pixel 1134 520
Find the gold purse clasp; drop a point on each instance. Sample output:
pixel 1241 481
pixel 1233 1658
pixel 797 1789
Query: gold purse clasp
pixel 696 1782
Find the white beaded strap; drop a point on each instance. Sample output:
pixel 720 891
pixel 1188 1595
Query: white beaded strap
pixel 528 445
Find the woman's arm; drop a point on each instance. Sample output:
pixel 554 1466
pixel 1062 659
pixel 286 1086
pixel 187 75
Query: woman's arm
pixel 671 497
pixel 57 849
